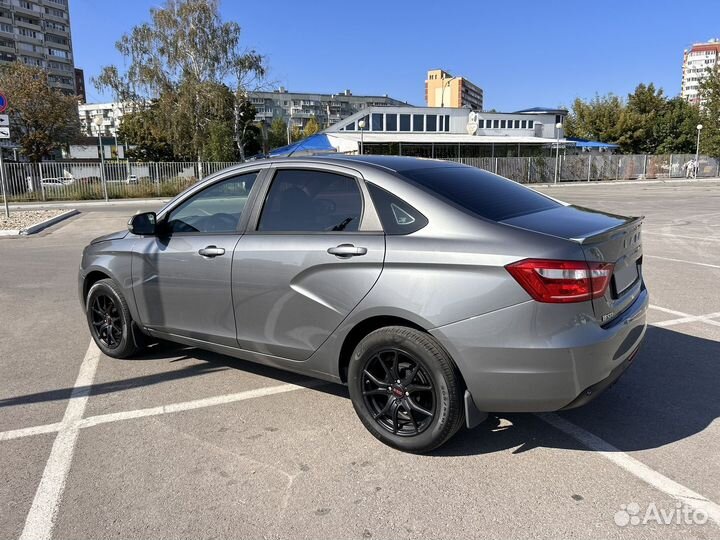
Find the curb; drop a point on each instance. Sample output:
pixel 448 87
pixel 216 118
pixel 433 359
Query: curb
pixel 81 204
pixel 627 182
pixel 52 221
pixel 40 226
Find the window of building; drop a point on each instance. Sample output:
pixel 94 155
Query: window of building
pixel 418 122
pixel 404 122
pixel 391 122
pixel 350 127
pixel 502 124
pixel 481 124
pixel 496 123
pixel 6 28
pixel 311 201
pixel 441 119
pixel 523 124
pixel 431 122
pixel 447 122
pixel 377 122
pixel 215 209
pixel 531 124
pixel 517 124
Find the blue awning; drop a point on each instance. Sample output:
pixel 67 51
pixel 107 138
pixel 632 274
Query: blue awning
pixel 584 143
pixel 315 143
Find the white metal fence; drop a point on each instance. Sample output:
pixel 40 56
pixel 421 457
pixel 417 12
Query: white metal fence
pixel 589 167
pixel 90 180
pixel 123 179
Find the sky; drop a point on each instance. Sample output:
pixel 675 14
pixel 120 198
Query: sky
pixel 522 53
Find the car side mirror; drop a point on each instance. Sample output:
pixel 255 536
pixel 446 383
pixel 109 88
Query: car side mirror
pixel 143 224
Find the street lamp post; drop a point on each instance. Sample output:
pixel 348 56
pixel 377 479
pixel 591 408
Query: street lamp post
pixel 442 89
pixel 98 121
pixel 558 127
pixel 697 151
pixel 361 127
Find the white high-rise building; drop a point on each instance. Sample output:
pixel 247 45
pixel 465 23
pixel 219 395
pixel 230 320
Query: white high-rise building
pixel 37 33
pixel 696 62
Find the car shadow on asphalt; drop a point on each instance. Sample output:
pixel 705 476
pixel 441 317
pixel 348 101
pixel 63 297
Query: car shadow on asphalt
pixel 171 353
pixel 670 393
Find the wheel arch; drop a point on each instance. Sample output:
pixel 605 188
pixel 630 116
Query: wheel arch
pixel 362 329
pixel 91 278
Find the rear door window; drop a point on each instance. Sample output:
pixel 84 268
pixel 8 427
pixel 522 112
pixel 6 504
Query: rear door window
pixel 479 192
pixel 311 201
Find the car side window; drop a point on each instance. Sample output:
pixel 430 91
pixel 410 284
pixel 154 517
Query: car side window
pixel 216 209
pixel 311 201
pixel 397 216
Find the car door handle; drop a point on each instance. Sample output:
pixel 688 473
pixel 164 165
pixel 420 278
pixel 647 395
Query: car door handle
pixel 345 251
pixel 211 251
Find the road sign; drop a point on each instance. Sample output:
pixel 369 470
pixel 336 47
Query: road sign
pixel 4 120
pixel 4 132
pixel 3 103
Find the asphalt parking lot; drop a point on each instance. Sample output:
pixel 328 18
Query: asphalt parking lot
pixel 185 443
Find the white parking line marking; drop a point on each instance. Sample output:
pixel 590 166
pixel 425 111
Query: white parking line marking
pixel 708 265
pixel 697 318
pixel 671 235
pixel 670 311
pixel 195 404
pixel 43 512
pixel 162 409
pixel 635 467
pixel 29 432
pixel 684 317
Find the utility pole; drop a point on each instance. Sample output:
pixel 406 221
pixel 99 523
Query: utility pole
pixel 2 180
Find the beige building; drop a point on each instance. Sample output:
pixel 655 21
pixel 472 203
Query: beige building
pixel 37 33
pixel 696 62
pixel 444 90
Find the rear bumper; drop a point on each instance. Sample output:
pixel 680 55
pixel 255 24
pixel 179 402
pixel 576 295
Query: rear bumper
pixel 535 357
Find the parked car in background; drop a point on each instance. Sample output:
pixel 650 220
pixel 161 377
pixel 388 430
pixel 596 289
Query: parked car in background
pixel 55 183
pixel 436 291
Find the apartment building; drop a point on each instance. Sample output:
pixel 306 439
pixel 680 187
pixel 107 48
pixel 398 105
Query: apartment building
pixel 697 60
pixel 37 33
pixel 444 90
pixel 296 108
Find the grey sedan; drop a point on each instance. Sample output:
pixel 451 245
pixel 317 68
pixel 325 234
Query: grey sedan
pixel 437 292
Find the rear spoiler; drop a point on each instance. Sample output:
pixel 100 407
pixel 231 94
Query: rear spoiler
pixel 629 227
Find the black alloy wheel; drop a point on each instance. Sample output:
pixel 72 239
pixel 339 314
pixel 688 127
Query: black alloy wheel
pixel 106 321
pixel 406 389
pixel 398 392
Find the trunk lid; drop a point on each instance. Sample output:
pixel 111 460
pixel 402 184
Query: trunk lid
pixel 603 237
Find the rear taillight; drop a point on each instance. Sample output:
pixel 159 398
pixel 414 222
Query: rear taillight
pixel 562 281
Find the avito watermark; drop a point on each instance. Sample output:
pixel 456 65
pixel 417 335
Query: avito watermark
pixel 680 514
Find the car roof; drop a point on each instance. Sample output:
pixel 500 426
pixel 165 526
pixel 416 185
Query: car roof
pixel 393 163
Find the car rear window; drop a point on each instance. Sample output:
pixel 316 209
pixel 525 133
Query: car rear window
pixel 482 193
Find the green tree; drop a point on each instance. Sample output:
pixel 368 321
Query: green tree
pixel 248 137
pixel 145 129
pixel 595 120
pixel 639 120
pixel 676 127
pixel 312 127
pixel 277 134
pixel 710 113
pixel 186 60
pixel 42 118
pixel 296 134
pixel 219 145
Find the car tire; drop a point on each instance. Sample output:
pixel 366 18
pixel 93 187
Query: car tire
pixel 109 319
pixel 406 389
